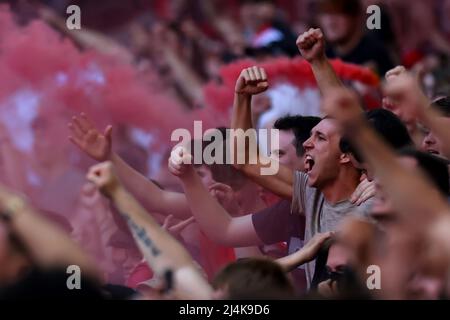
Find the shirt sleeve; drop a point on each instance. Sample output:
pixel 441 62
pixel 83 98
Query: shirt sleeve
pixel 299 193
pixel 272 224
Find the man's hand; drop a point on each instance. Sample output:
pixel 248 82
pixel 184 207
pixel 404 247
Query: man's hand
pixel 395 72
pixel 312 45
pixel 310 250
pixel 89 139
pixel 176 227
pixel 224 194
pixel 179 161
pixel 342 105
pixel 407 95
pixel 252 81
pixel 104 177
pixel 365 190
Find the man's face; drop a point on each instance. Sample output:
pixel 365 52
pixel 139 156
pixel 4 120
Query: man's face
pixel 337 27
pixel 322 153
pixel 286 153
pixel 433 144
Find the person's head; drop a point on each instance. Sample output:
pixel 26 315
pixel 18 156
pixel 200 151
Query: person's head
pixel 324 161
pixel 255 13
pixel 294 131
pixel 252 278
pixel 431 143
pixel 389 127
pixel 339 19
pixel 435 169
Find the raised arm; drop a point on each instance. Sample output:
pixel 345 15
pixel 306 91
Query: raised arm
pixel 99 147
pixel 166 256
pixel 88 39
pixel 48 246
pixel 213 219
pixel 253 81
pixel 312 47
pixel 407 94
pixel 412 195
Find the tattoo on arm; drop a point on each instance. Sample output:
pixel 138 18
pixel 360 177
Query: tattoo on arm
pixel 141 234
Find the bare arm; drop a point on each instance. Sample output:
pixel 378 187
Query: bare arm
pixel 305 254
pixel 312 47
pixel 254 81
pixel 48 246
pixel 99 147
pixel 88 39
pixel 407 94
pixel 162 252
pixel 209 214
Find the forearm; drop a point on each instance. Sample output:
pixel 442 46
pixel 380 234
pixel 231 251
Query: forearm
pixel 152 197
pixel 49 246
pixel 290 262
pixel 213 219
pixel 162 252
pixel 156 241
pixel 325 75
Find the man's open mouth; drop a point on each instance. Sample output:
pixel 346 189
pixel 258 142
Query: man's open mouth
pixel 434 152
pixel 309 163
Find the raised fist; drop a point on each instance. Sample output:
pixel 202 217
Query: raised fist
pixel 104 177
pixel 312 45
pixel 252 81
pixel 179 161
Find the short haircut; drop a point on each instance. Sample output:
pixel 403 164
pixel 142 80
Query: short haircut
pixel 223 173
pixel 443 106
pixel 254 278
pixel 436 169
pixel 388 126
pixel 300 126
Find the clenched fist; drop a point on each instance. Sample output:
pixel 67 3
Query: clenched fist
pixel 104 177
pixel 179 161
pixel 312 45
pixel 252 81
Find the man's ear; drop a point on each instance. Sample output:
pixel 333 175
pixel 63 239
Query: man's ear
pixel 345 158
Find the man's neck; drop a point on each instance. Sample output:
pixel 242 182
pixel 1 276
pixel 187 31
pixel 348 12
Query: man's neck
pixel 341 188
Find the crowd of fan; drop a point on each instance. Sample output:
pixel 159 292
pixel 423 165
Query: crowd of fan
pixel 359 207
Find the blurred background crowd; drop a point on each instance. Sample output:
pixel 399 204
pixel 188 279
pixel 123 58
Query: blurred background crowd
pixel 151 66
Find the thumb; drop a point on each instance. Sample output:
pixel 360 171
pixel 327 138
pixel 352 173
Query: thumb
pixel 108 133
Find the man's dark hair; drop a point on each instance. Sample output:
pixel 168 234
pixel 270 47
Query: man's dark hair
pixel 254 278
pixel 443 106
pixel 300 126
pixel 388 126
pixel 223 173
pixel 436 169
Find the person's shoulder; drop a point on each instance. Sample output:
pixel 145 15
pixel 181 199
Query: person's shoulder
pixel 365 208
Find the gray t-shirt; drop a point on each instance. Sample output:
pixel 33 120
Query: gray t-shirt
pixel 320 215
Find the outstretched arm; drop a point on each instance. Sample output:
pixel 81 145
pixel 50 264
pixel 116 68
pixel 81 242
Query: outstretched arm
pixel 164 254
pixel 312 47
pixel 305 254
pixel 247 158
pixel 99 147
pixel 213 219
pixel 48 246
